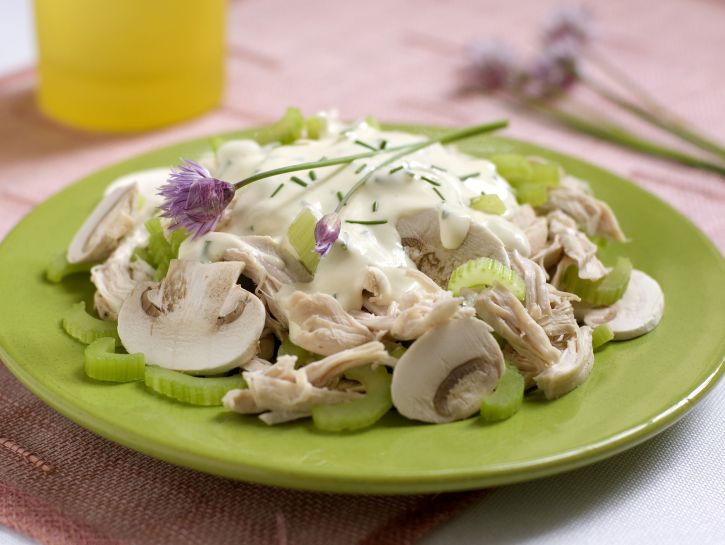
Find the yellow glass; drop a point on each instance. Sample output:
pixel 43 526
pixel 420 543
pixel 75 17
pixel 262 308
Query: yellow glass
pixel 129 65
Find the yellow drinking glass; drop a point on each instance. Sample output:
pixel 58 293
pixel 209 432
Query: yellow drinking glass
pixel 129 65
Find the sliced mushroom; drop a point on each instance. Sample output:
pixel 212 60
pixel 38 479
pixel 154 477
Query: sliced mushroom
pixel 101 233
pixel 446 373
pixel 637 312
pixel 420 236
pixel 197 320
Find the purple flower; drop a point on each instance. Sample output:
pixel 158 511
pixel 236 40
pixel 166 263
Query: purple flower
pixel 493 66
pixel 552 73
pixel 571 24
pixel 193 199
pixel 326 232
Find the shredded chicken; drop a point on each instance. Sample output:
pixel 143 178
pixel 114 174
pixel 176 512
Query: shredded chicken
pixel 534 227
pixel 378 291
pixel 577 246
pixel 289 393
pixel 593 215
pixel 319 324
pixel 500 309
pixel 269 266
pixel 572 369
pixel 422 312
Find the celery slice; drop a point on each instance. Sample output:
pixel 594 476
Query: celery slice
pixel 533 194
pixel 545 174
pixel 102 363
pixel 491 204
pixel 315 126
pixel 85 328
pixel 516 169
pixel 372 122
pixel 506 399
pixel 359 413
pixel 486 272
pixel 288 348
pixel 603 292
pixel 160 250
pixel 59 268
pixel 188 389
pixel 601 336
pixel 301 236
pixel 285 131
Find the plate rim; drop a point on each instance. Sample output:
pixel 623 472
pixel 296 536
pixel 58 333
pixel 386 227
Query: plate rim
pixel 432 481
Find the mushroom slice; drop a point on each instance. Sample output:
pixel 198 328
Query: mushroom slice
pixel 572 369
pixel 102 231
pixel 197 320
pixel 420 236
pixel 637 312
pixel 446 373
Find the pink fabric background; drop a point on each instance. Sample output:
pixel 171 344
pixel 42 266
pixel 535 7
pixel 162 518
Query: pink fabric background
pixel 396 59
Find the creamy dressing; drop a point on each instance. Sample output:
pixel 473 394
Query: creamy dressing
pixel 437 177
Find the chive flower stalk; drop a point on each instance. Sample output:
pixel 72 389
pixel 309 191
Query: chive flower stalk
pixel 195 200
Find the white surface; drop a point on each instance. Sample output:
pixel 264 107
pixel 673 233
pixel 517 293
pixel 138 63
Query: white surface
pixel 669 491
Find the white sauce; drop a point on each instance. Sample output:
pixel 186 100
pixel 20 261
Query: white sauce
pixel 427 177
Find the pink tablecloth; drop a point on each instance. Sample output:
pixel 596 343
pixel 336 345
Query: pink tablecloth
pixel 396 59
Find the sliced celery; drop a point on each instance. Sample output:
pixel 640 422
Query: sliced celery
pixel 85 328
pixel 506 399
pixel 142 254
pixel 545 174
pixel 491 204
pixel 288 348
pixel 102 363
pixel 533 194
pixel 359 413
pixel 315 126
pixel 160 250
pixel 285 131
pixel 59 268
pixel 301 236
pixel 372 122
pixel 517 169
pixel 486 272
pixel 206 391
pixel 601 336
pixel 602 292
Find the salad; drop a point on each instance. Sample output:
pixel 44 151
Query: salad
pixel 338 271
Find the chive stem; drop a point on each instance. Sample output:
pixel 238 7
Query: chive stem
pixel 366 145
pixel 359 169
pixel 375 206
pixel 339 196
pixel 467 176
pixel 431 181
pixel 298 181
pixel 396 169
pixel 383 144
pixel 279 188
pixel 367 222
pixel 312 175
pixel 439 194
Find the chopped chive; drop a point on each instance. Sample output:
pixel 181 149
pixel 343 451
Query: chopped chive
pixel 359 169
pixel 365 145
pixel 375 206
pixel 439 194
pixel 436 167
pixel 471 175
pixel 340 196
pixel 383 144
pixel 298 181
pixel 431 181
pixel 396 169
pixel 367 222
pixel 312 175
pixel 279 188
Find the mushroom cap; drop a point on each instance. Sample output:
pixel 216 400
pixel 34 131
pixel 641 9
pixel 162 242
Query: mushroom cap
pixel 447 371
pixel 102 231
pixel 420 235
pixel 197 319
pixel 639 310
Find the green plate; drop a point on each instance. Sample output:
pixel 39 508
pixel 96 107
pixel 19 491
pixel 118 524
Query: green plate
pixel 637 388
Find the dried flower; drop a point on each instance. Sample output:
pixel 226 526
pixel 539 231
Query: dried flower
pixel 193 199
pixel 573 25
pixel 327 230
pixel 493 66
